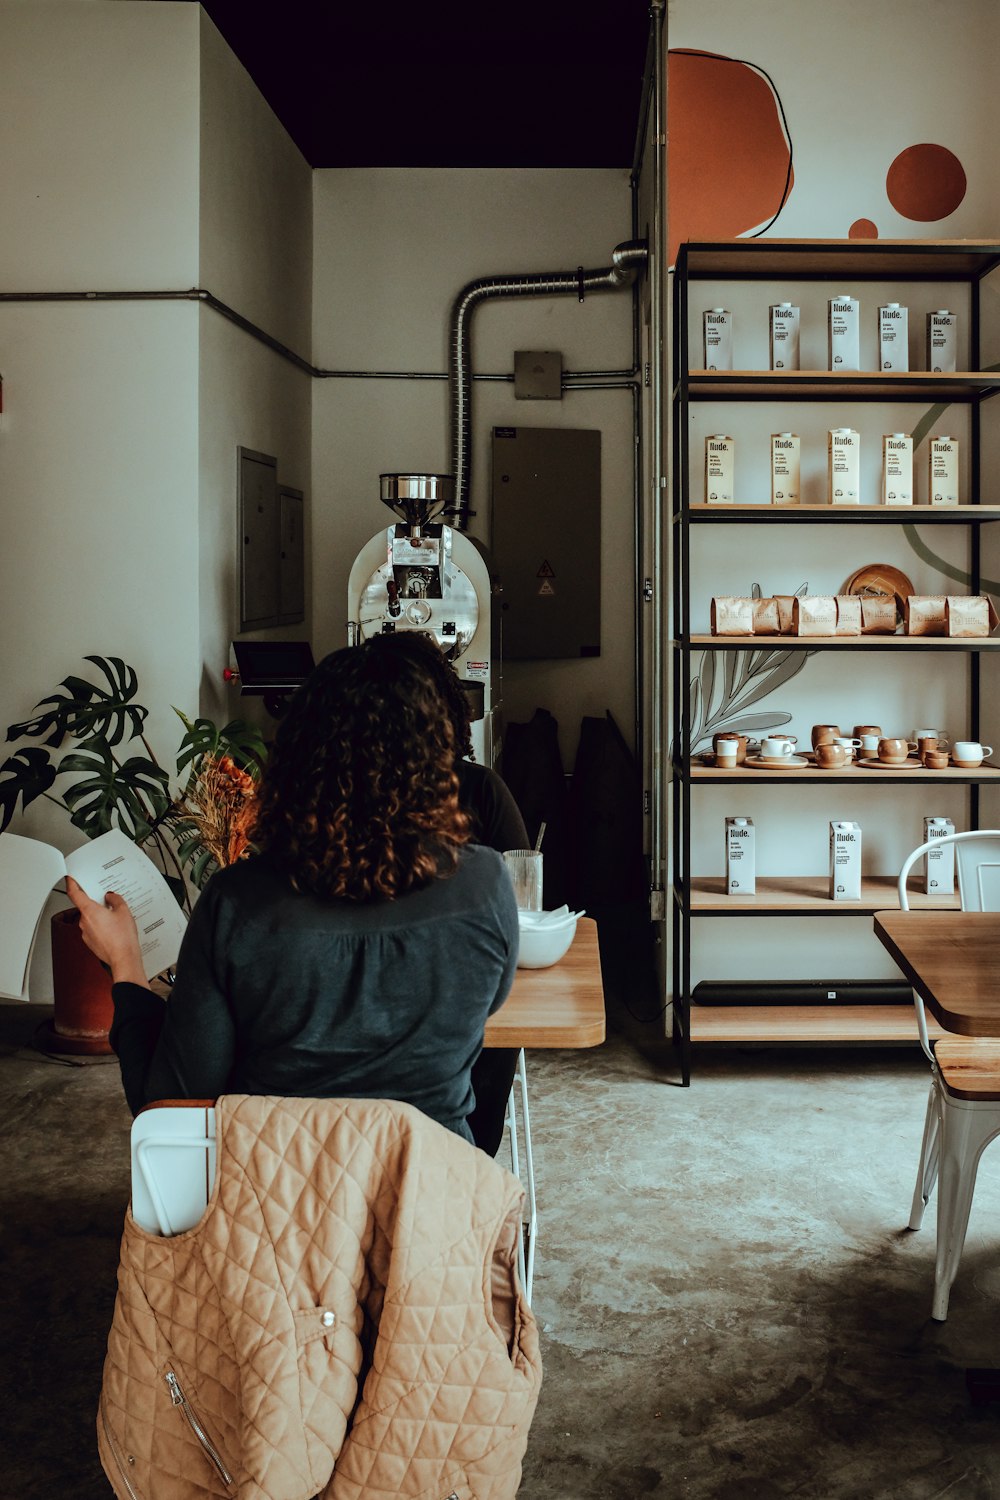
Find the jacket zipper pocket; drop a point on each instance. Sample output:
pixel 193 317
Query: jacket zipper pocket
pixel 117 1456
pixel 178 1398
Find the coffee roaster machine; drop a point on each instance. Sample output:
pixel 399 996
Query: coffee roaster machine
pixel 422 574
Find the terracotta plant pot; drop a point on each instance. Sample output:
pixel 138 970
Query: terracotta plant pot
pixel 81 990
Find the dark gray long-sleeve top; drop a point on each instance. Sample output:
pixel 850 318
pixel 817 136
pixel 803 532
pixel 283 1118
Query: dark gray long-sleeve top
pixel 281 993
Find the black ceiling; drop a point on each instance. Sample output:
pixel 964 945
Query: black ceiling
pixel 383 83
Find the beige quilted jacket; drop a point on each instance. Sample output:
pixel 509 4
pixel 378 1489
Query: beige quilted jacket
pixel 344 1321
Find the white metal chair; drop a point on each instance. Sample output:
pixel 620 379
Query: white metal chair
pixel 529 1230
pixel 963 1110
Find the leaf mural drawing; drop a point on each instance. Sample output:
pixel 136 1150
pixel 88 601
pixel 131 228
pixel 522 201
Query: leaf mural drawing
pixel 928 421
pixel 728 684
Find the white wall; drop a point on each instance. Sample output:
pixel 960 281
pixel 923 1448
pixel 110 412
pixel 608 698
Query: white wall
pixel 392 251
pixel 256 256
pixel 859 83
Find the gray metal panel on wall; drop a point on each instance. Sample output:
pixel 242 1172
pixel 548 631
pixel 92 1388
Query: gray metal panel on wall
pixel 547 540
pixel 292 562
pixel 259 539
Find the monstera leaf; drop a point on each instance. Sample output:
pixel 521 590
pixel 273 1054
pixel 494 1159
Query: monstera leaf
pixel 87 711
pixel 27 775
pixel 136 790
pixel 238 739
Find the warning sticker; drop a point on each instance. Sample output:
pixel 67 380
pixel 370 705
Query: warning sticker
pixel 477 669
pixel 545 587
pixel 546 570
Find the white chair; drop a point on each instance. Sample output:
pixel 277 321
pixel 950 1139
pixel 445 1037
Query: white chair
pixel 963 1110
pixel 529 1230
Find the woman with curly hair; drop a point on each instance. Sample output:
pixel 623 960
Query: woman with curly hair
pixel 360 951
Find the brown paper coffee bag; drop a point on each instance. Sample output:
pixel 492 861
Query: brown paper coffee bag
pixel 766 619
pixel 925 614
pixel 732 615
pixel 878 615
pixel 816 614
pixel 848 614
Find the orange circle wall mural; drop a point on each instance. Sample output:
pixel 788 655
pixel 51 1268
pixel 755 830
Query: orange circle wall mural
pixel 925 182
pixel 863 229
pixel 729 160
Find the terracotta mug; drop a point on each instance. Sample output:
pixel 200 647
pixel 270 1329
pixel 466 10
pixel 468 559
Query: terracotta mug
pixel 822 734
pixel 726 737
pixel 893 751
pixel 832 757
pixel 968 754
pixel 860 730
pixel 935 760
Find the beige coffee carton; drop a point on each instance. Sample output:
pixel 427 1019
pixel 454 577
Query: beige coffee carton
pixel 845 861
pixel 741 859
pixel 942 470
pixel 720 467
pixel 942 340
pixel 939 864
pixel 785 468
pixel 844 466
pixel 893 337
pixel 897 469
pixel 718 338
pixel 844 332
pixel 784 336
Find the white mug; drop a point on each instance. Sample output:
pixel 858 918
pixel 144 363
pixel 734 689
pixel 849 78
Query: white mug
pixel 971 750
pixel 851 744
pixel 776 747
pixel 725 752
pixel 869 744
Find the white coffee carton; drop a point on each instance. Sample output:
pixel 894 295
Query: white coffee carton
pixel 942 340
pixel 784 336
pixel 785 468
pixel 942 470
pixel 845 861
pixel 897 469
pixel 893 337
pixel 844 333
pixel 720 467
pixel 844 466
pixel 939 864
pixel 741 860
pixel 718 339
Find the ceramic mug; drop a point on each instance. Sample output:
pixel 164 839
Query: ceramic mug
pixel 848 744
pixel 861 730
pixel 869 745
pixel 727 753
pixel 968 754
pixel 893 751
pixel 824 733
pixel 831 755
pixel 776 747
pixel 730 737
pixel 931 734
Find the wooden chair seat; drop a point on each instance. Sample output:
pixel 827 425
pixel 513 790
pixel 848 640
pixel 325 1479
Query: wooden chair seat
pixel 970 1066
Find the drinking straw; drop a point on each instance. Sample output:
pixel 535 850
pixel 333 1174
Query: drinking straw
pixel 541 835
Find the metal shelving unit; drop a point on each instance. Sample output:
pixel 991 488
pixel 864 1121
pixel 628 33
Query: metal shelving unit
pixel 693 896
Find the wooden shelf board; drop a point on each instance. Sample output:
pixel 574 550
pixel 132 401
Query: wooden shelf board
pixel 701 511
pixel 847 642
pixel 807 1024
pixel 834 385
pixel 807 894
pixel 846 773
pixel 924 259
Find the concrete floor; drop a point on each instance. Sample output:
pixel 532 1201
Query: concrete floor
pixel 731 1308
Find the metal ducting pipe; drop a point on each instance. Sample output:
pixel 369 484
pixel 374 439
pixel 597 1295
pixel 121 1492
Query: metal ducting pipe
pixel 626 260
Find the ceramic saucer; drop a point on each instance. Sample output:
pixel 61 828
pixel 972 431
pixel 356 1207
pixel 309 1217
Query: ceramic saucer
pixel 892 765
pixel 779 763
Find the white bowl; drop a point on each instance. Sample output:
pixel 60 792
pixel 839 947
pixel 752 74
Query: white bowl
pixel 544 944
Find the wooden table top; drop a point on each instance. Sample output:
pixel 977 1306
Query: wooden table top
pixel 952 958
pixel 562 1006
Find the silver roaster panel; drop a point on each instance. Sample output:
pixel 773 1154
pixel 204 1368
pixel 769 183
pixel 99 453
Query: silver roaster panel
pixel 432 594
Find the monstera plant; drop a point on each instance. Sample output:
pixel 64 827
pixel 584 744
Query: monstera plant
pixel 95 762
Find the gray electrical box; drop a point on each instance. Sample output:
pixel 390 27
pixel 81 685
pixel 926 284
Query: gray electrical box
pixel 547 540
pixel 537 375
pixel 259 537
pixel 291 563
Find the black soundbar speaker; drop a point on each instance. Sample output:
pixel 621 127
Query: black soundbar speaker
pixel 802 992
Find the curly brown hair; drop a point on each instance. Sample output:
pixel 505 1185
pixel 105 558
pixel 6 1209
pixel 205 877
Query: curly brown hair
pixel 422 648
pixel 359 798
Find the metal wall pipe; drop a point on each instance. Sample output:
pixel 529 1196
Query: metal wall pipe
pixel 625 260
